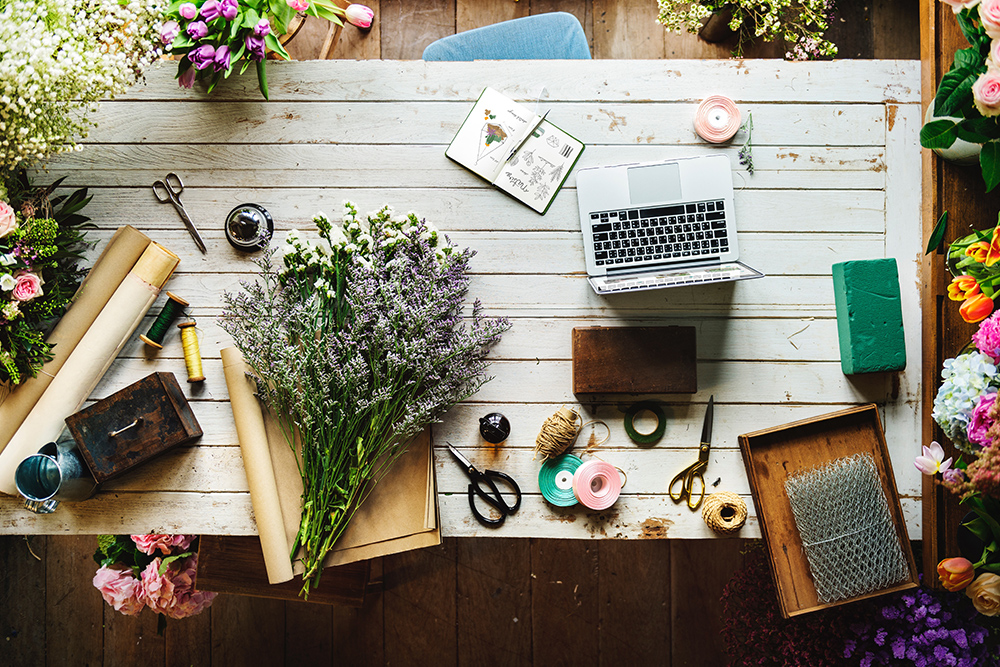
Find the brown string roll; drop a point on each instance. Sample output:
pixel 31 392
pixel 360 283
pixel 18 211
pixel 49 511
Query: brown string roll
pixel 724 512
pixel 558 433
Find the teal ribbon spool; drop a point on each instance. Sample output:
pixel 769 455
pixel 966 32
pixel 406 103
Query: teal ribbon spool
pixel 555 480
pixel 172 309
pixel 645 438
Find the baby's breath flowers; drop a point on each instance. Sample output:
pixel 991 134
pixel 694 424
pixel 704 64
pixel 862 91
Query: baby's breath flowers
pixel 57 59
pixel 359 340
pixel 800 23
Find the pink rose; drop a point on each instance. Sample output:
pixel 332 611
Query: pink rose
pixel 8 221
pixel 298 5
pixel 359 15
pixel 994 60
pixel 986 92
pixel 959 5
pixel 148 544
pixel 120 590
pixel 989 14
pixel 27 286
pixel 172 593
pixel 980 422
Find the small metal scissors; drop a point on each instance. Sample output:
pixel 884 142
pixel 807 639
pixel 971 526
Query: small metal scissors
pixel 687 477
pixel 169 190
pixel 493 497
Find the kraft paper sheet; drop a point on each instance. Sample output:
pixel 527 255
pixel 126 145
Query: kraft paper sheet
pixel 400 514
pixel 108 272
pixel 90 360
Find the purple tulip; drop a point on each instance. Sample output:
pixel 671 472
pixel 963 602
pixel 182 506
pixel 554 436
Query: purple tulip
pixel 221 60
pixel 230 8
pixel 202 56
pixel 262 28
pixel 188 10
pixel 169 31
pixel 255 45
pixel 211 10
pixel 197 29
pixel 186 80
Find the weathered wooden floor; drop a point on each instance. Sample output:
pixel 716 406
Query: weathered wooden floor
pixel 468 602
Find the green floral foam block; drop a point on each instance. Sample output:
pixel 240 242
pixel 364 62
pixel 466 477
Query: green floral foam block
pixel 869 316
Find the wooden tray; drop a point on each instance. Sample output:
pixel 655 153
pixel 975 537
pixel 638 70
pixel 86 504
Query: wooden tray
pixel 773 454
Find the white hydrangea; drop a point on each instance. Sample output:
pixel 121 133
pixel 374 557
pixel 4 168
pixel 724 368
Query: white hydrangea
pixel 58 58
pixel 966 378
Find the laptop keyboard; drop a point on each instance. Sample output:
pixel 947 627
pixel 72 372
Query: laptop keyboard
pixel 629 236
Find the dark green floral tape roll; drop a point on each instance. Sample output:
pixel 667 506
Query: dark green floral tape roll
pixel 645 438
pixel 555 480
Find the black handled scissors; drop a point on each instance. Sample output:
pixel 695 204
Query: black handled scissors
pixel 492 496
pixel 694 473
pixel 169 190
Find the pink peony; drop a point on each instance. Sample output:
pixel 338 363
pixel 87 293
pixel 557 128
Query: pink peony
pixel 172 593
pixel 989 14
pixel 986 92
pixel 987 337
pixel 120 590
pixel 148 544
pixel 959 5
pixel 27 286
pixel 359 15
pixel 980 422
pixel 8 220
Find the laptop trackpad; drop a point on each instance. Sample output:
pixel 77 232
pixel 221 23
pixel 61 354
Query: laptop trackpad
pixel 654 184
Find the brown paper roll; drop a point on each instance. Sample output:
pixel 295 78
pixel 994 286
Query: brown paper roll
pixel 108 272
pixel 88 362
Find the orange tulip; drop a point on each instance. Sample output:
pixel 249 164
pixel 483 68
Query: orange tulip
pixel 962 287
pixel 955 573
pixel 976 309
pixel 978 251
pixel 993 254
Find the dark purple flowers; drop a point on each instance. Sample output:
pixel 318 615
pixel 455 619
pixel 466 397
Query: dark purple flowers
pixel 202 56
pixel 255 45
pixel 221 60
pixel 229 8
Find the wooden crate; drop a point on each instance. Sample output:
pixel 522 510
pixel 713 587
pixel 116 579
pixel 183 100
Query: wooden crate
pixel 634 360
pixel 772 455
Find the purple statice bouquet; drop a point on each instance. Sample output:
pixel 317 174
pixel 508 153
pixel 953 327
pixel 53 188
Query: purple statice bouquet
pixel 358 341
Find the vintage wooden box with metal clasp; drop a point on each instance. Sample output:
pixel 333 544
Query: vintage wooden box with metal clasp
pixel 133 425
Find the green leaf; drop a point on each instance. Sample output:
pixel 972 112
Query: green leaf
pixel 989 160
pixel 954 92
pixel 937 235
pixel 262 78
pixel 990 521
pixel 991 567
pixel 165 563
pixel 272 43
pixel 181 41
pixel 969 58
pixel 979 528
pixel 938 134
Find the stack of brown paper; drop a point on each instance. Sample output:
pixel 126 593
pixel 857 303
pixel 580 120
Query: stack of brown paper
pixel 399 515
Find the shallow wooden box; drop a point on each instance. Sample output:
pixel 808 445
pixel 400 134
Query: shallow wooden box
pixel 635 360
pixel 773 454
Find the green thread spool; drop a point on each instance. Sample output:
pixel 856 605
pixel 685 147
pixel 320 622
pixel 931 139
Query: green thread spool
pixel 172 309
pixel 555 480
pixel 645 438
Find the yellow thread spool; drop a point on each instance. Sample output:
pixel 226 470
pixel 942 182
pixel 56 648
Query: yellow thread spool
pixel 192 355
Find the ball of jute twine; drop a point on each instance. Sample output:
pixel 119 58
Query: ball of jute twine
pixel 724 512
pixel 558 433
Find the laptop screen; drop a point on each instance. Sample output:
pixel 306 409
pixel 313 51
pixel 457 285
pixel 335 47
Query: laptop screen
pixel 654 184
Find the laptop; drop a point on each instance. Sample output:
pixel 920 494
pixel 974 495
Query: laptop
pixel 660 224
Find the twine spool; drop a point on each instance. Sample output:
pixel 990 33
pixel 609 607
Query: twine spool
pixel 717 119
pixel 192 355
pixel 172 309
pixel 724 512
pixel 597 485
pixel 558 433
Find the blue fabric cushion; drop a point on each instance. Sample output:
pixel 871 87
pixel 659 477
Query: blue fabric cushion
pixel 553 36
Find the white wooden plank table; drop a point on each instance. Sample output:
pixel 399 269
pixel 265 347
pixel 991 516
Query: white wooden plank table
pixel 837 178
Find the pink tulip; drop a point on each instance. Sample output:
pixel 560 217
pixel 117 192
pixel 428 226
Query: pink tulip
pixel 359 15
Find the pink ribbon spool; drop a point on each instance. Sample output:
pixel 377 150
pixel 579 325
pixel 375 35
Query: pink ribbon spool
pixel 597 485
pixel 717 119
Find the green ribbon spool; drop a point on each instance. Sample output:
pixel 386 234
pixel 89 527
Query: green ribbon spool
pixel 645 438
pixel 555 480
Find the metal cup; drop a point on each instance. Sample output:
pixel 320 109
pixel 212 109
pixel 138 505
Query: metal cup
pixel 57 472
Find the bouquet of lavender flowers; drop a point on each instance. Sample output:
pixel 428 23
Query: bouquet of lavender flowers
pixel 358 342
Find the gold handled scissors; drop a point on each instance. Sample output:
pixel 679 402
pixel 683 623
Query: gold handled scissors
pixel 692 476
pixel 169 190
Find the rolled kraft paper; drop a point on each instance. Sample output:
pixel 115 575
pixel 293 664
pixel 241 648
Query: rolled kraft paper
pixel 91 358
pixel 597 485
pixel 252 434
pixel 717 119
pixel 108 272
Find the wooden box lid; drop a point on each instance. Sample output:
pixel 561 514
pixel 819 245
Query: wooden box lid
pixel 774 454
pixel 634 360
pixel 162 417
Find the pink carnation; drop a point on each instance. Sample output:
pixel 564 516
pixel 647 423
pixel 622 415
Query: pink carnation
pixel 981 422
pixel 172 593
pixel 120 590
pixel 148 544
pixel 987 338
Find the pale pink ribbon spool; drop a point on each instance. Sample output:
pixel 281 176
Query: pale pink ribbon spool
pixel 596 485
pixel 717 119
